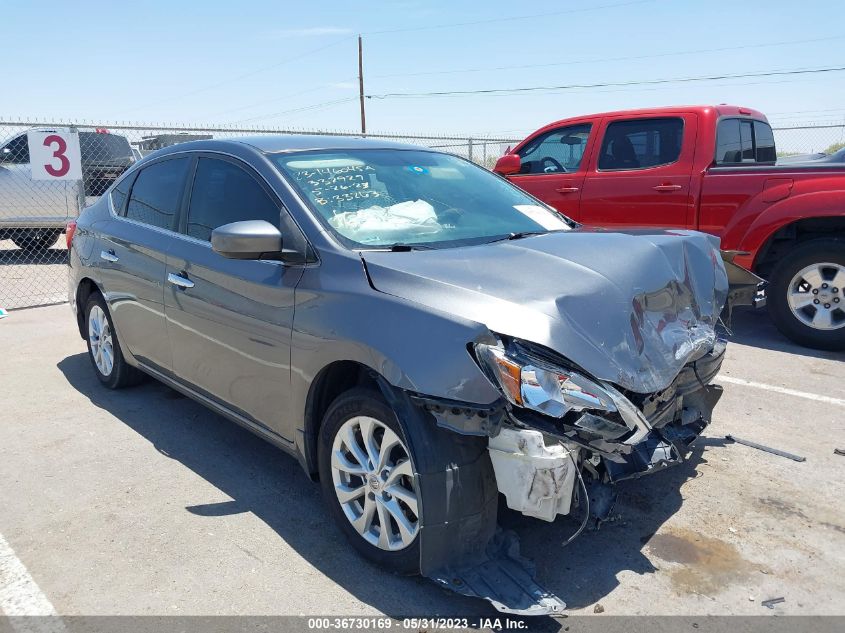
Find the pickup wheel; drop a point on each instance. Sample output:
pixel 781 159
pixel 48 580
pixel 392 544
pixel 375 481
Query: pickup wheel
pixel 807 294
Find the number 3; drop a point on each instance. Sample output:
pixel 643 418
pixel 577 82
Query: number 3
pixel 58 153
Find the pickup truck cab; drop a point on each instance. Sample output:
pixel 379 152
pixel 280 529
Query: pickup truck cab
pixel 712 169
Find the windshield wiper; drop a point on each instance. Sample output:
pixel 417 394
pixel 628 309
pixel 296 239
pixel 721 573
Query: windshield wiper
pixel 401 247
pixel 518 236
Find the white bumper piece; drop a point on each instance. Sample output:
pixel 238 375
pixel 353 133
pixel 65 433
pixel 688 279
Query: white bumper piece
pixel 537 480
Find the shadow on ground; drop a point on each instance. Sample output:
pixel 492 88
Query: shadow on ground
pixel 754 328
pixel 270 484
pixel 17 256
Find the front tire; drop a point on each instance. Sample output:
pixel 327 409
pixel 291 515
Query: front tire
pixel 104 350
pixel 807 294
pixel 367 477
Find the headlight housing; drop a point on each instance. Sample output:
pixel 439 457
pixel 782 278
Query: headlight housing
pixel 542 387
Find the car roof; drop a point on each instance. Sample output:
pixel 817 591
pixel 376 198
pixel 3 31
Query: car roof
pixel 273 143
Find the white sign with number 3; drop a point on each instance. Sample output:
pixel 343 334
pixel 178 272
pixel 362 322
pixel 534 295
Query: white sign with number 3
pixel 54 155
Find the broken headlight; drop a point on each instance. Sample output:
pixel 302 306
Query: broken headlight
pixel 542 387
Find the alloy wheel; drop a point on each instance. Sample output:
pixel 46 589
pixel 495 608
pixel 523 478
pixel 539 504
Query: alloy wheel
pixel 816 296
pixel 100 337
pixel 374 482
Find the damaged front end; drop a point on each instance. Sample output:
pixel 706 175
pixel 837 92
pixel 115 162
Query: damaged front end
pixel 557 440
pixel 608 434
pixel 603 366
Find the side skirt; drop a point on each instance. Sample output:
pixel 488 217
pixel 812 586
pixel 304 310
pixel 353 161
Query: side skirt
pixel 250 425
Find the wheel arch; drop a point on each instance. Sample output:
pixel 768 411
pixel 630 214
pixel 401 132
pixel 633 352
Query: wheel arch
pixel 332 380
pixel 84 289
pixel 793 233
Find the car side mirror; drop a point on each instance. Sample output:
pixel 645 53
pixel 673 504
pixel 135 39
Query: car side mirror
pixel 508 164
pixel 249 239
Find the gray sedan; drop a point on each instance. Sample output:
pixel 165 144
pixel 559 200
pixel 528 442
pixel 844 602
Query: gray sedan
pixel 421 335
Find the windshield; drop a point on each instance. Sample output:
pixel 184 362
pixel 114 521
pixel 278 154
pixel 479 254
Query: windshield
pixel 378 198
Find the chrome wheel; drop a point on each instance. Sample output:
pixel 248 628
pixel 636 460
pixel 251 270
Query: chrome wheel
pixel 374 482
pixel 100 337
pixel 815 296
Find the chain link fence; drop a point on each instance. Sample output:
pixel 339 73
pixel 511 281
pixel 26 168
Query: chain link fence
pixel 33 213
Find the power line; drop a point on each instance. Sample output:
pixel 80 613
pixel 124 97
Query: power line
pixel 512 91
pixel 314 106
pixel 609 59
pixel 239 77
pixel 507 19
pixel 283 97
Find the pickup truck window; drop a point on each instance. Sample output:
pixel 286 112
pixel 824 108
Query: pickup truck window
pixel 641 143
pixel 744 141
pixel 557 151
pixel 16 151
pixel 764 141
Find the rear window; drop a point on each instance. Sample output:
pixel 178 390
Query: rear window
pixel 741 141
pixel 110 149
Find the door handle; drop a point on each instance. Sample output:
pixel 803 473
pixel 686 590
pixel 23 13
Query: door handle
pixel 666 187
pixel 567 190
pixel 180 281
pixel 109 256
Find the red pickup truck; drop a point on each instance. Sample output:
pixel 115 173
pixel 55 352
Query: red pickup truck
pixel 713 169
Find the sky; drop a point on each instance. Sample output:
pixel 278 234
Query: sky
pixel 293 65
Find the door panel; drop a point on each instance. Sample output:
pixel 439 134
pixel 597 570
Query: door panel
pixel 132 256
pixel 231 330
pixel 230 321
pixel 641 172
pixel 554 166
pixel 132 261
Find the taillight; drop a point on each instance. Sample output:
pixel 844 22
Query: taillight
pixel 70 229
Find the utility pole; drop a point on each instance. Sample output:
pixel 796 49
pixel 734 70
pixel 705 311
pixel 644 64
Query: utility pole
pixel 361 85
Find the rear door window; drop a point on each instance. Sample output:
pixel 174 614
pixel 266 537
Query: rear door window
pixel 118 194
pixel 157 193
pixel 641 143
pixel 224 193
pixel 557 151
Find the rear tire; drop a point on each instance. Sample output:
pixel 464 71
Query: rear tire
pixel 104 350
pixel 806 296
pixel 364 496
pixel 36 240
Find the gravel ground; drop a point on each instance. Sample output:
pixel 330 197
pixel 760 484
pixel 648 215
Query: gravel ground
pixel 144 502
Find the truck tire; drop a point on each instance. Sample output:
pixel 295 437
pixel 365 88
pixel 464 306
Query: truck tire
pixel 36 240
pixel 806 296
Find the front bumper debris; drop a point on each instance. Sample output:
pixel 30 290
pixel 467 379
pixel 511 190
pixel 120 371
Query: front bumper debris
pixel 536 480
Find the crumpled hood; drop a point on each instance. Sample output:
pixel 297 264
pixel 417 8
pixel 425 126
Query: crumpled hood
pixel 630 307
